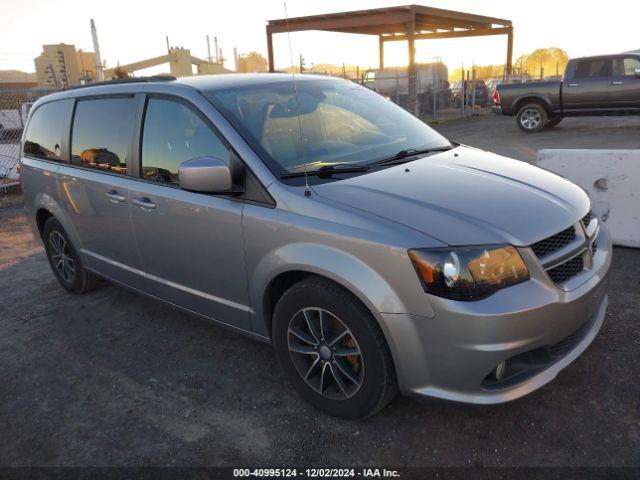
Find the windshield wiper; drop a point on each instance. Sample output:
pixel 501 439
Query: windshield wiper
pixel 328 171
pixel 402 155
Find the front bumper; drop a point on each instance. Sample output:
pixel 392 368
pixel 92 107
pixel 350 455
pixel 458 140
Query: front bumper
pixel 451 355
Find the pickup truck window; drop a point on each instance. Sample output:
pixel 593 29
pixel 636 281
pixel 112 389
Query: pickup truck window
pixel 625 67
pixel 592 68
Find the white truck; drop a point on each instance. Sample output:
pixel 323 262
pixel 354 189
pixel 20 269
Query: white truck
pixel 14 120
pixel 12 123
pixel 393 82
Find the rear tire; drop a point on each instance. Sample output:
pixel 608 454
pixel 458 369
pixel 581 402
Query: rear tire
pixel 532 118
pixel 64 260
pixel 337 359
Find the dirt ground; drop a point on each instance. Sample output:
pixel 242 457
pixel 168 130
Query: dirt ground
pixel 500 134
pixel 112 378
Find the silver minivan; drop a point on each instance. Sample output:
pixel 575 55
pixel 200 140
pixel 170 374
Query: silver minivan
pixel 312 213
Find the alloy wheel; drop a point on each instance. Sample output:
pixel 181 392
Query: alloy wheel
pixel 530 118
pixel 61 256
pixel 325 353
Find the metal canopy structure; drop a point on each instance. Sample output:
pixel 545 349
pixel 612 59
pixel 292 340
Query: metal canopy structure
pixel 404 23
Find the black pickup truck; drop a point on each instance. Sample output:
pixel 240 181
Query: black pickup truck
pixel 604 85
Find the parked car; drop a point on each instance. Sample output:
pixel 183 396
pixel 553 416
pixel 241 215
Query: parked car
pixel 464 90
pixel 604 85
pixel 313 214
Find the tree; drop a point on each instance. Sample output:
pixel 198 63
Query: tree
pixel 251 63
pixel 550 61
pixel 483 72
pixel 120 72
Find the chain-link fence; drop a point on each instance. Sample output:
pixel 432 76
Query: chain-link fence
pixel 437 97
pixel 15 105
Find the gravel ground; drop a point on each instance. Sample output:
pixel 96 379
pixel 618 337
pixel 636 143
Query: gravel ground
pixel 500 134
pixel 113 378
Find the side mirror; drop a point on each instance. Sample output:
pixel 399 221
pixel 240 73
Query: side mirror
pixel 206 175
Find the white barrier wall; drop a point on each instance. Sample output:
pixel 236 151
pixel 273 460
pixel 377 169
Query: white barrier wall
pixel 612 179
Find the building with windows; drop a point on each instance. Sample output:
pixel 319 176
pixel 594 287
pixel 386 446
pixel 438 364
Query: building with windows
pixel 61 66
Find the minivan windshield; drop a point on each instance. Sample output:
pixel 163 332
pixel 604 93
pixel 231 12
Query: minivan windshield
pixel 315 123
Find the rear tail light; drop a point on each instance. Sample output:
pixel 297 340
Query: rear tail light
pixel 496 97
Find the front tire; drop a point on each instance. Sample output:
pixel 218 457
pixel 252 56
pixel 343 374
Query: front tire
pixel 64 260
pixel 532 118
pixel 332 350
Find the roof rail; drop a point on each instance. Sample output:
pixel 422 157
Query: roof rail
pixel 116 81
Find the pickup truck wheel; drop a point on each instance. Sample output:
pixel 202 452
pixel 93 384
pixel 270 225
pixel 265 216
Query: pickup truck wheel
pixel 553 122
pixel 532 118
pixel 332 350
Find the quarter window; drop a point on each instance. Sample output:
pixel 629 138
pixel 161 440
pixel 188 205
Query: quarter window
pixel 102 130
pixel 173 133
pixel 44 135
pixel 625 67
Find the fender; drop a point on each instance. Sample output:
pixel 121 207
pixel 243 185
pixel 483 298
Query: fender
pixel 45 199
pixel 531 95
pixel 341 267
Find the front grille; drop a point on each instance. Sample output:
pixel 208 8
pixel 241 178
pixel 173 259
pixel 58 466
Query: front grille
pixel 568 269
pixel 554 242
pixel 586 220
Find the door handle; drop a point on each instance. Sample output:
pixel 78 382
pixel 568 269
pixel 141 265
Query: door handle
pixel 144 203
pixel 617 82
pixel 573 85
pixel 114 197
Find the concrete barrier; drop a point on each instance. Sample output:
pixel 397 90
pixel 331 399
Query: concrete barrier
pixel 612 180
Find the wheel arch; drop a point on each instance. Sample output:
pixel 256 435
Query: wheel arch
pixel 42 215
pixel 46 206
pixel 540 100
pixel 292 263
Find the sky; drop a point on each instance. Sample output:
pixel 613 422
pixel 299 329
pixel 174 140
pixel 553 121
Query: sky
pixel 134 30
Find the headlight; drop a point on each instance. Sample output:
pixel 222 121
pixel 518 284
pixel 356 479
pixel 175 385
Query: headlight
pixel 468 273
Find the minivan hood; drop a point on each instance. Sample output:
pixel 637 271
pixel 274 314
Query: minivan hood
pixel 466 196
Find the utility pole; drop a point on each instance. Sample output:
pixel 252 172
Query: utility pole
pixel 208 50
pixel 302 69
pixel 215 46
pixel 166 37
pixel 96 49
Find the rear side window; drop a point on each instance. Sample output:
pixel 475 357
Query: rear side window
pixel 48 124
pixel 173 133
pixel 591 68
pixel 625 67
pixel 102 132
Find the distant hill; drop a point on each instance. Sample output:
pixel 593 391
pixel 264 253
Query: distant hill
pixel 15 76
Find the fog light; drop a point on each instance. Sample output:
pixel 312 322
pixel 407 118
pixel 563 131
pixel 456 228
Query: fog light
pixel 500 370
